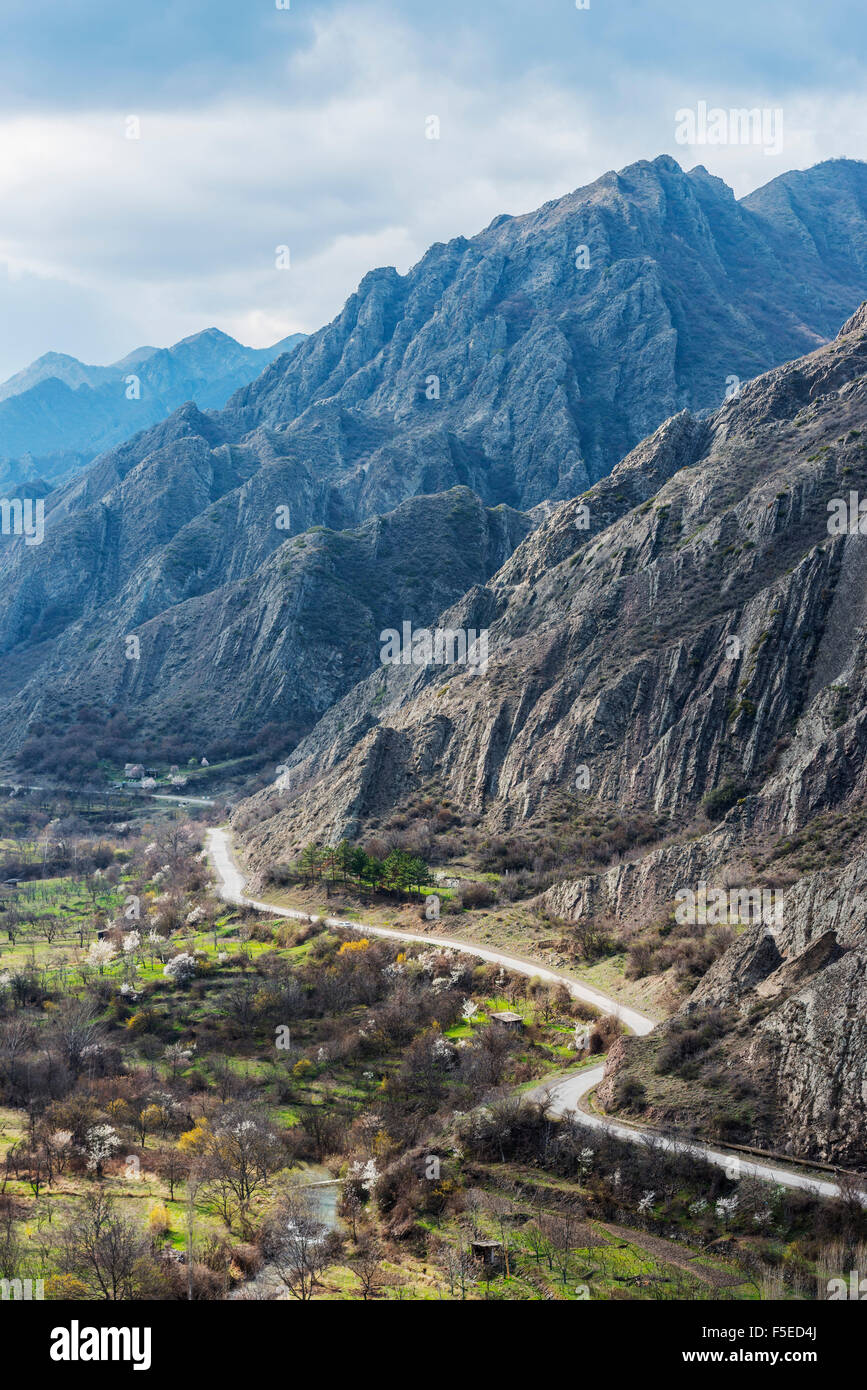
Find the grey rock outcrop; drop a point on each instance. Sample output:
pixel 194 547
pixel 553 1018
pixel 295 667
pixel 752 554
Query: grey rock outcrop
pixel 800 1000
pixel 710 634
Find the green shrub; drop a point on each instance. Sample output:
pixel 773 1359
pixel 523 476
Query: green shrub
pixel 722 798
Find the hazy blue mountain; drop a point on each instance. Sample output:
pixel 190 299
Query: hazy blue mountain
pixel 57 414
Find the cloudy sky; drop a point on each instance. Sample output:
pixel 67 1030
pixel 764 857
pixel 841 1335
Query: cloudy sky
pixel 306 127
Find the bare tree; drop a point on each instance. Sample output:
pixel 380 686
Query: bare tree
pixel 367 1267
pixel 298 1244
pixel 458 1266
pixel 562 1230
pixel 75 1029
pixel 103 1249
pixel 351 1209
pixel 16 1038
pixel 11 1247
pixel 500 1208
pixel 239 1155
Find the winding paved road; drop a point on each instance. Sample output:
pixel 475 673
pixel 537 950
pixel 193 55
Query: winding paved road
pixel 563 1095
pixel 232 884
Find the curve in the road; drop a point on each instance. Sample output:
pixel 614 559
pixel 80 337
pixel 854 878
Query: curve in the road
pixel 565 1095
pixel 232 882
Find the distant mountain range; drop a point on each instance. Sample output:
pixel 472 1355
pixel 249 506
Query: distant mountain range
pixel 57 414
pixel 498 366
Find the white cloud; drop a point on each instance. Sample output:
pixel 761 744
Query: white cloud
pixel 165 235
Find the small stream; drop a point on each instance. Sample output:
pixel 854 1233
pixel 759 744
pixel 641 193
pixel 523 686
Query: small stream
pixel 324 1194
pixel 324 1199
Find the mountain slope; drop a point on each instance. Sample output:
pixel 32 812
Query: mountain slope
pixel 784 1066
pixel 306 619
pixel 546 373
pixel 703 645
pixel 608 646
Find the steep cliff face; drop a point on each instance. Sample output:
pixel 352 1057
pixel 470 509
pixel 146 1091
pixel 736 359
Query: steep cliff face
pixel 796 1032
pixel 672 647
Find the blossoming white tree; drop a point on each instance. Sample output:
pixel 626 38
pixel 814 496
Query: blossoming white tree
pixel 100 1143
pixel 365 1174
pixel 181 969
pixel 726 1208
pixel 100 955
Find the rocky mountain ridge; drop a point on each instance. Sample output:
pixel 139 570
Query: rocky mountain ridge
pixel 610 645
pixel 500 363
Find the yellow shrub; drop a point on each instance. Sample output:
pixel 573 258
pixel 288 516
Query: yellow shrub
pixel 140 1022
pixel 159 1219
pixel 193 1140
pixel 66 1286
pixel 383 1144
